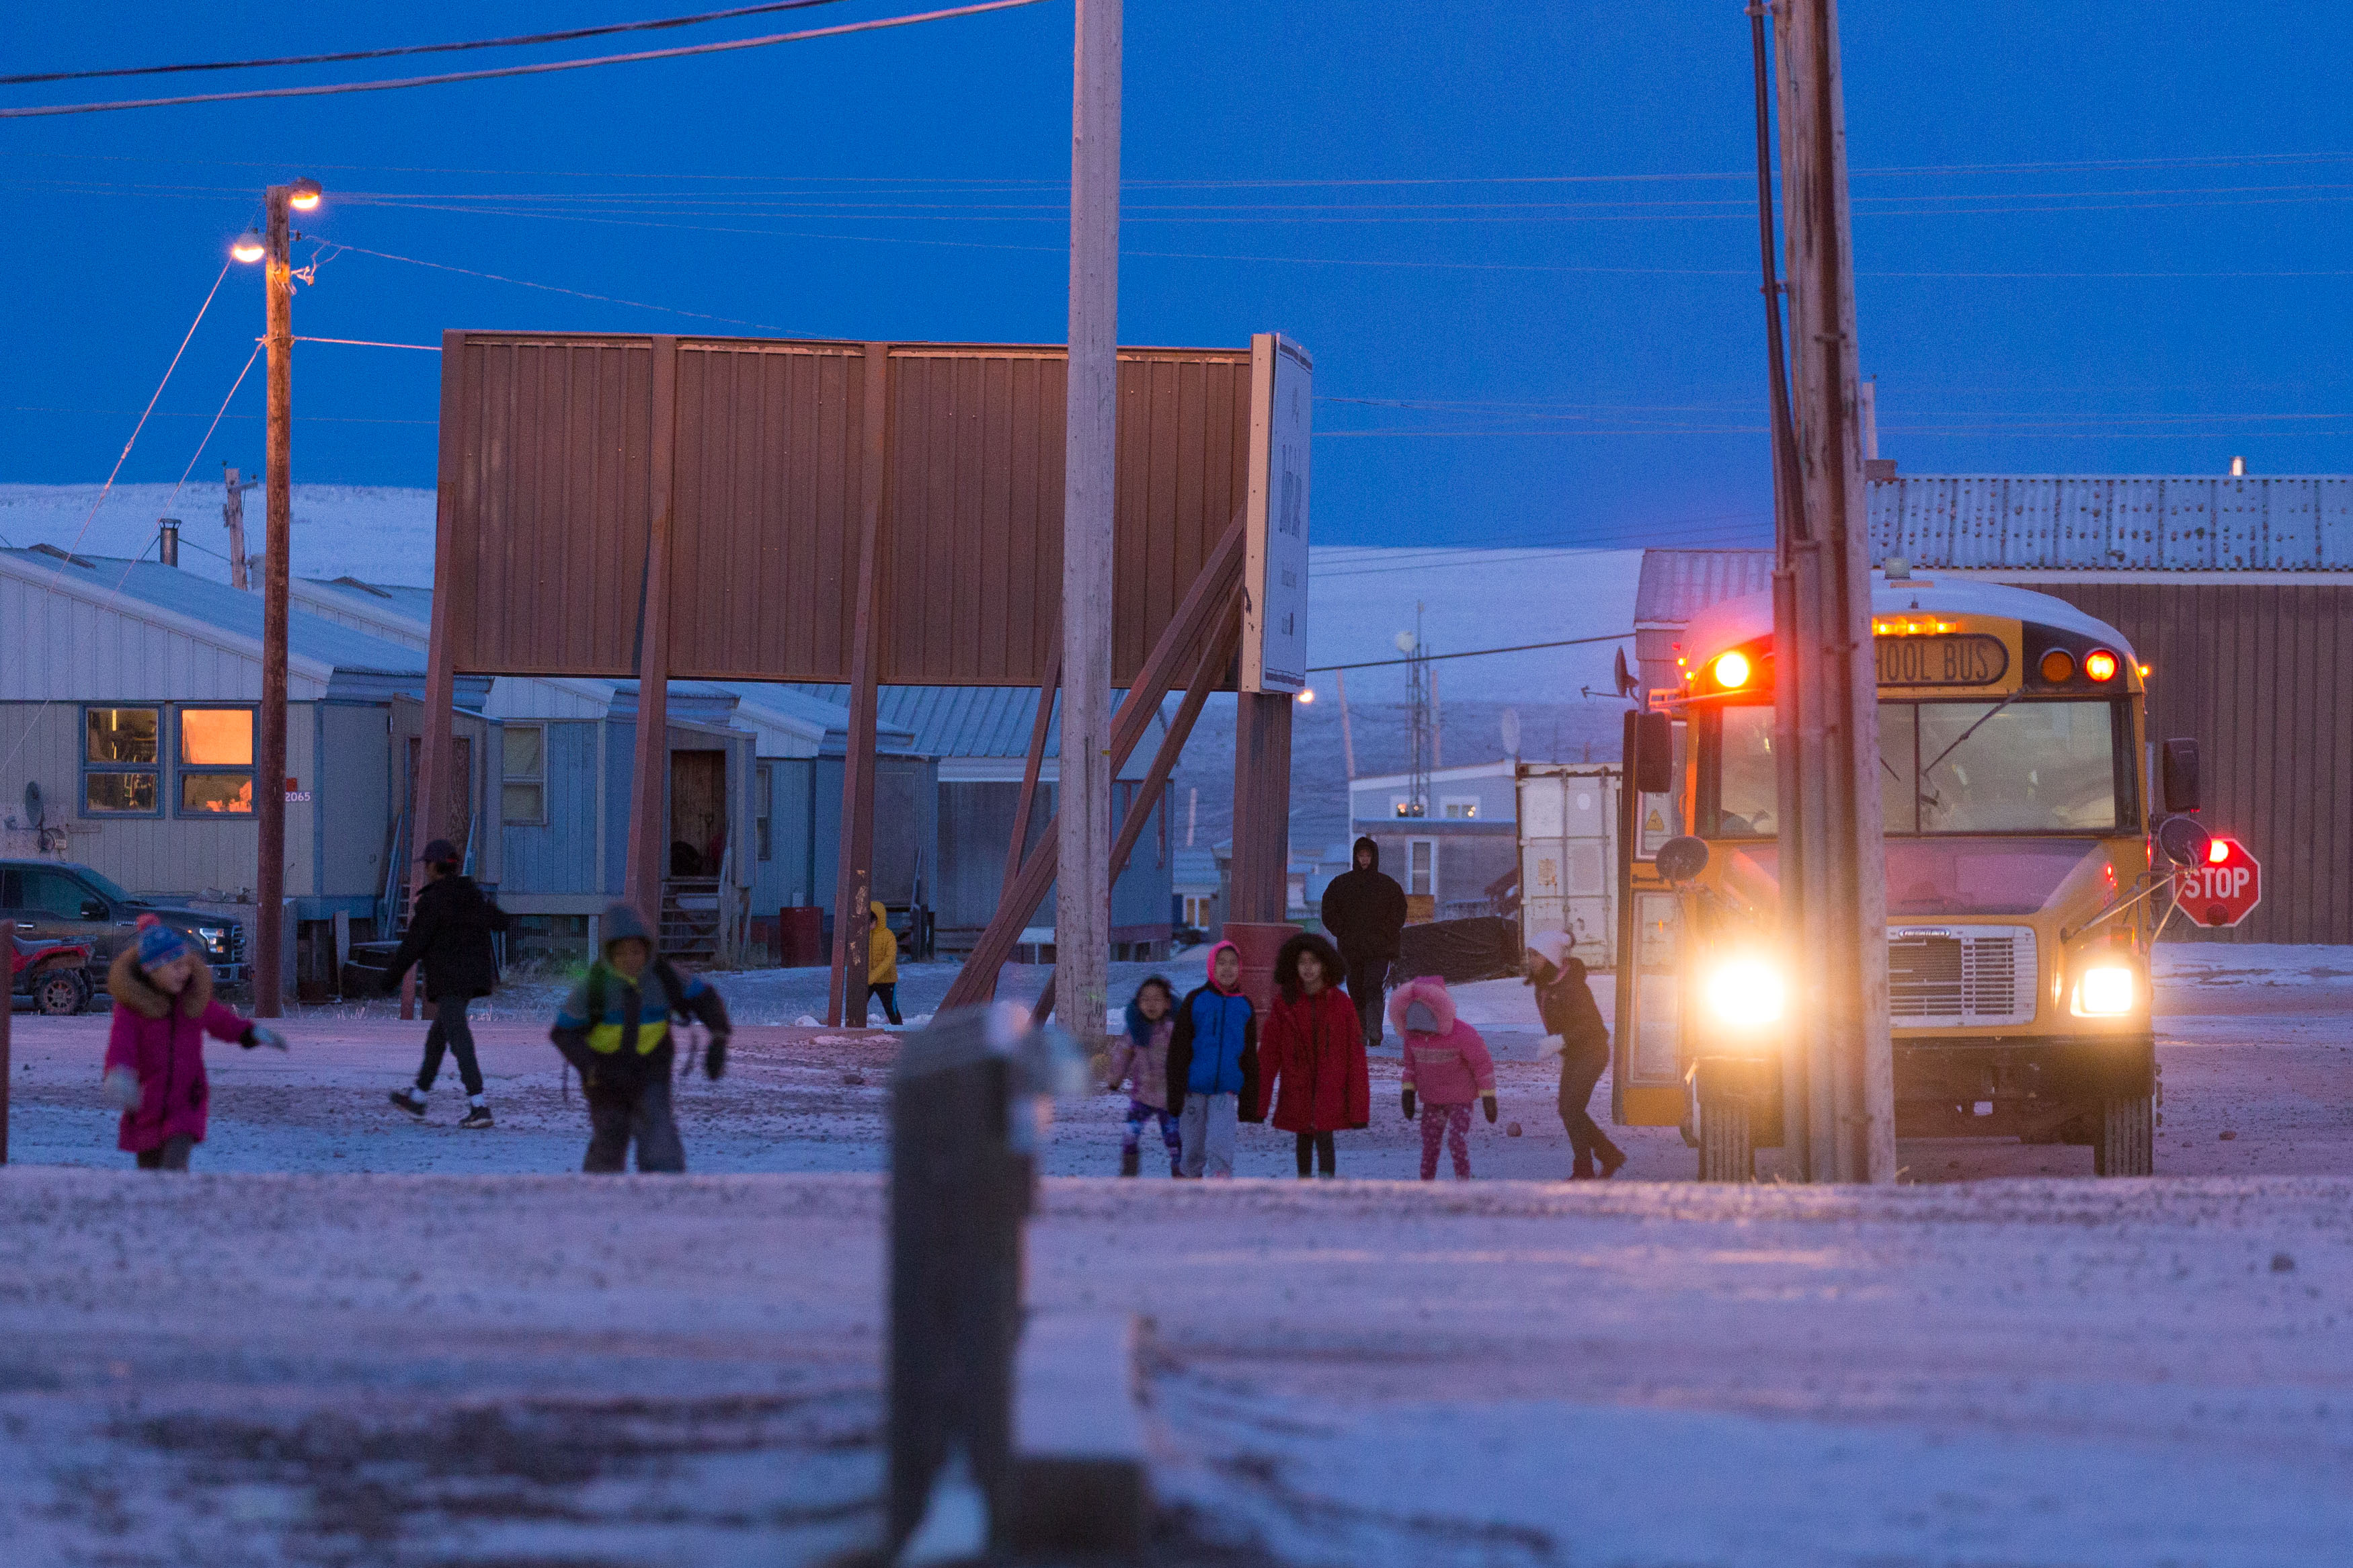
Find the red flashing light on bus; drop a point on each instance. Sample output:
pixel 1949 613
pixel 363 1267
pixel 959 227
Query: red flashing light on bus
pixel 1732 672
pixel 2100 664
pixel 2217 851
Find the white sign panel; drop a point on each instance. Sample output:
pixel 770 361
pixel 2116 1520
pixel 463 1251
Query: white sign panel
pixel 1274 608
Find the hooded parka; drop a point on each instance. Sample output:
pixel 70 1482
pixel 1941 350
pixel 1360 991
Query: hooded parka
pixel 450 933
pixel 1312 1068
pixel 161 1039
pixel 1364 910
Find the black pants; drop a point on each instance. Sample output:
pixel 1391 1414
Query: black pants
pixel 451 1032
pixel 1316 1147
pixel 172 1156
pixel 620 1115
pixel 1578 1074
pixel 889 991
pixel 1364 982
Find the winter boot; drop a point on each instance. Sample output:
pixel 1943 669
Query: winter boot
pixel 410 1101
pixel 1613 1157
pixel 478 1116
pixel 1131 1161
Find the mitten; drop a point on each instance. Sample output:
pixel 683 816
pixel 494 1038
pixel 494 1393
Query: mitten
pixel 261 1034
pixel 120 1088
pixel 1409 1105
pixel 714 1057
pixel 1489 1101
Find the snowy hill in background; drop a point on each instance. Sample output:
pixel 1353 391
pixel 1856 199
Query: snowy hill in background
pixel 1361 598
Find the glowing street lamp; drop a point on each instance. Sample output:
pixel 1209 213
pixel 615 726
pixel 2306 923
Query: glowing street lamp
pixel 249 247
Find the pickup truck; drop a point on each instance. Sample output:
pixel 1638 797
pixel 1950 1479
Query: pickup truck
pixel 56 900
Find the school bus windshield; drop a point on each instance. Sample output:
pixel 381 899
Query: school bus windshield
pixel 2014 766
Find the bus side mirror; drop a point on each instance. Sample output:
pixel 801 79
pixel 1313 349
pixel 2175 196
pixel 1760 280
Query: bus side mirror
pixel 1654 753
pixel 2181 769
pixel 1680 859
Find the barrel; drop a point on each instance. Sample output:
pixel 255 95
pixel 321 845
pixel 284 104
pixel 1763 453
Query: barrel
pixel 800 936
pixel 1258 943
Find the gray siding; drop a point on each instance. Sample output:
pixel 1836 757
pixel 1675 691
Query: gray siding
pixel 786 878
pixel 559 856
pixel 354 796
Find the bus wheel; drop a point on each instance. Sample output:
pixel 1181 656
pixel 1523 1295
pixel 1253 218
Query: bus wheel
pixel 1727 1149
pixel 2126 1138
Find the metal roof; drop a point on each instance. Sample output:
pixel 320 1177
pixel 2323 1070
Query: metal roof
pixel 961 721
pixel 228 609
pixel 2195 522
pixel 1676 584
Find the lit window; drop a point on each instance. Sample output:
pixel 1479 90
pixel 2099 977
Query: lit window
pixel 1460 809
pixel 121 758
pixel 215 762
pixel 523 795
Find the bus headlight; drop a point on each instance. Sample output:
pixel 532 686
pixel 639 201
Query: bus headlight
pixel 1744 992
pixel 2104 992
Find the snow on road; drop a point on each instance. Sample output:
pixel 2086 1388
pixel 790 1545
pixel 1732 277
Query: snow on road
pixel 370 1369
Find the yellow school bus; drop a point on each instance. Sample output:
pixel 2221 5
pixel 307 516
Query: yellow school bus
pixel 2025 886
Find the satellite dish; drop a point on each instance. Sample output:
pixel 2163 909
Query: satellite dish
pixel 35 808
pixel 1511 722
pixel 1405 642
pixel 1625 677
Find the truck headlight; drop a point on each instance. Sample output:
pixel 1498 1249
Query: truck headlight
pixel 214 937
pixel 2104 992
pixel 1744 992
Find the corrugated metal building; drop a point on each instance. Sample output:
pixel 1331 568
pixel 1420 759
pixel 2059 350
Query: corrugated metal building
pixel 2237 590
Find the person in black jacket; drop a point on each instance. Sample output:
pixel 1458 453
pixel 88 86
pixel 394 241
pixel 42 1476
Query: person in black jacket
pixel 450 933
pixel 1365 911
pixel 1566 1004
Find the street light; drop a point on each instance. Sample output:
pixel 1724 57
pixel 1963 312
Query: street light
pixel 248 246
pixel 270 783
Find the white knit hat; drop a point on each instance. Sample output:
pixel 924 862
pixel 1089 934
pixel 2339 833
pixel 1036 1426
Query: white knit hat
pixel 1552 946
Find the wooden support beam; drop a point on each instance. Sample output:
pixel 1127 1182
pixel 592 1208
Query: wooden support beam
pixel 1036 763
pixel 437 748
pixel 1216 658
pixel 854 875
pixel 1261 806
pixel 648 838
pixel 1211 588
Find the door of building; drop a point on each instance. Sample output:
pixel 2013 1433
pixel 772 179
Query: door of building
pixel 697 812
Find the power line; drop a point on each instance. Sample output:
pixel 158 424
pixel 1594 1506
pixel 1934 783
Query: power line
pixel 552 289
pixel 569 36
pixel 1471 653
pixel 543 69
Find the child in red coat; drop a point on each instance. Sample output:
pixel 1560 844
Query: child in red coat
pixel 164 1008
pixel 1314 1047
pixel 1448 1063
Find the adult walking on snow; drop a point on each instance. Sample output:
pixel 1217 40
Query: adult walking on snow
pixel 154 1073
pixel 1565 1004
pixel 449 934
pixel 1365 911
pixel 1213 1067
pixel 1310 1062
pixel 616 1027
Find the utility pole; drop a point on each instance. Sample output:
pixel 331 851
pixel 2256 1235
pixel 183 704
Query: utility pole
pixel 270 767
pixel 1840 1104
pixel 1082 900
pixel 233 519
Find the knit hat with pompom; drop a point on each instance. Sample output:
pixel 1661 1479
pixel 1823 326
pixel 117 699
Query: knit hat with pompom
pixel 159 944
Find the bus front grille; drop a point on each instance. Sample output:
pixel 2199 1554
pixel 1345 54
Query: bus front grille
pixel 1955 975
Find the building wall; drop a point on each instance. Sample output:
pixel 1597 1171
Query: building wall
pixel 2262 675
pixel 1469 857
pixel 787 879
pixel 1493 798
pixel 351 803
pixel 62 646
pixel 906 826
pixel 559 855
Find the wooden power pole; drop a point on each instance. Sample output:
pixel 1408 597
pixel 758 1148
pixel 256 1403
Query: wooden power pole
pixel 1841 1098
pixel 1083 884
pixel 269 764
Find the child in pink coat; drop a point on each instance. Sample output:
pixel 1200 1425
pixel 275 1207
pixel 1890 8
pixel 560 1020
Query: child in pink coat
pixel 164 1008
pixel 1447 1063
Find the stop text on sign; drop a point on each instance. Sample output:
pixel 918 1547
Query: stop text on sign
pixel 2225 888
pixel 1970 659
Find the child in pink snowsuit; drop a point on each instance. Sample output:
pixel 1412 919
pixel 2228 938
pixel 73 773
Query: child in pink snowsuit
pixel 1448 1064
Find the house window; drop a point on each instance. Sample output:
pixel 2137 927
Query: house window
pixel 1197 909
pixel 121 761
pixel 215 762
pixel 1422 866
pixel 523 797
pixel 1460 807
pixel 1405 805
pixel 764 795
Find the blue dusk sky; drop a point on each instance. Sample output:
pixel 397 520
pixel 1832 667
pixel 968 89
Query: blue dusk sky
pixel 1519 239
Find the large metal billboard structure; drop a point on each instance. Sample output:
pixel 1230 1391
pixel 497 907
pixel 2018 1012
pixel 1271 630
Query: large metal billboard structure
pixel 653 508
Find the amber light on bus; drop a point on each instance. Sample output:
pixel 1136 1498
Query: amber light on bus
pixel 2059 667
pixel 1732 672
pixel 2100 664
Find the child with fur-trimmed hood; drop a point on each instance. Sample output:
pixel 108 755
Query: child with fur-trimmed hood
pixel 1311 1070
pixel 1447 1063
pixel 155 1075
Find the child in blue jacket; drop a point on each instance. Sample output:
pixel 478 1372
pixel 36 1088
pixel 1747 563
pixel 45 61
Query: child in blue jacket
pixel 1213 1067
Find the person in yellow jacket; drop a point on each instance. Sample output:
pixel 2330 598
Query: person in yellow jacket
pixel 881 960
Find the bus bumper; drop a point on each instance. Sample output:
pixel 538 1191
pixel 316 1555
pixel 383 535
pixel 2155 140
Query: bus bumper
pixel 2015 1088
